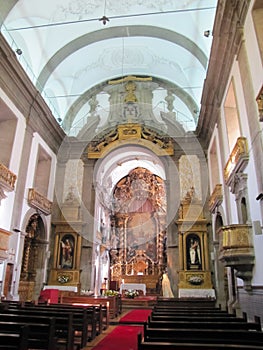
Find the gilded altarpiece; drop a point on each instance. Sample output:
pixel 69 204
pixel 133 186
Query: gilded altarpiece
pixel 194 273
pixel 138 235
pixel 67 249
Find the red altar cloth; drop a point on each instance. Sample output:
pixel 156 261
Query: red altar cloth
pixel 49 295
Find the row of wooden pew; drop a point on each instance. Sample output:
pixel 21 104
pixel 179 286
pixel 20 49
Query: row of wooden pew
pixel 198 325
pixel 26 326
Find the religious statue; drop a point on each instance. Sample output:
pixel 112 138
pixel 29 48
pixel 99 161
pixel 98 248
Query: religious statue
pixel 194 253
pixel 67 248
pixel 32 227
pixel 166 286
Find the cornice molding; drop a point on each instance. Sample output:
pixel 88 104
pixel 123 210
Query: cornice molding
pixel 227 38
pixel 18 87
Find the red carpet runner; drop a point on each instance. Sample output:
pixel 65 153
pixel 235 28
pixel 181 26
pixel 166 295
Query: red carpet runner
pixel 124 336
pixel 136 316
pixel 121 338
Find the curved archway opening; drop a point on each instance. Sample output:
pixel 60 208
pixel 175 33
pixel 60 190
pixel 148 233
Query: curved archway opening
pixel 130 216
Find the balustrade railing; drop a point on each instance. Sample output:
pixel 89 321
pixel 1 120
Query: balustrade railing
pixel 237 160
pixel 216 198
pixel 38 201
pixel 7 178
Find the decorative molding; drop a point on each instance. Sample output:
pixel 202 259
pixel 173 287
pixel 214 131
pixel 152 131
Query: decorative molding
pixel 195 280
pixel 128 79
pixel 130 133
pixel 237 161
pixel 38 201
pixel 259 100
pixel 7 179
pixel 216 198
pixel 4 244
pixel 230 21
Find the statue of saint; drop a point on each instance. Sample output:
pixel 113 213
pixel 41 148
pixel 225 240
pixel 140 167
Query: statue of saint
pixel 166 286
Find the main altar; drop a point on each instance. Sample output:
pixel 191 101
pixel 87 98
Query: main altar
pixel 138 234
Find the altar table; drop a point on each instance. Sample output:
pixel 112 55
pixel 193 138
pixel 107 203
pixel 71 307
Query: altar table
pixel 135 286
pixel 62 288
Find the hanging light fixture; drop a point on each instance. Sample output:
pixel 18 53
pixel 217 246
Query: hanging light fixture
pixel 104 18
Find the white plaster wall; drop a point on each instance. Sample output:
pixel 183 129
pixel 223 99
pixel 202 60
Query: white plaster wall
pixel 6 207
pixel 215 138
pixel 253 205
pixel 37 140
pixel 253 52
pixel 230 207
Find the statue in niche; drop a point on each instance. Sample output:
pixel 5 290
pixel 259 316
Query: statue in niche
pixel 194 252
pixel 28 270
pixel 67 252
pixel 32 227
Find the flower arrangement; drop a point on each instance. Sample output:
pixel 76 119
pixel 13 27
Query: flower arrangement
pixel 196 280
pixel 86 292
pixel 63 278
pixel 110 293
pixel 131 293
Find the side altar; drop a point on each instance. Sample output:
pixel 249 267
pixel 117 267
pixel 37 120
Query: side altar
pixel 195 280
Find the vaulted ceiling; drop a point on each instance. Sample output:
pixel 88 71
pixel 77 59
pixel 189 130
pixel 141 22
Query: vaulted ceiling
pixel 71 49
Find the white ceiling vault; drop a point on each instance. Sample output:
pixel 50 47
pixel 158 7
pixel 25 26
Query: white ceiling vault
pixel 70 54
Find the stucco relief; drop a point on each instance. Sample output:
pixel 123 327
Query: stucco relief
pixel 189 170
pixel 73 180
pixel 82 9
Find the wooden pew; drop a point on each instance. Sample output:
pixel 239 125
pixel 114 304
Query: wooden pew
pixel 86 323
pixel 62 325
pixel 200 303
pixel 189 325
pixel 178 308
pixel 204 335
pixel 175 313
pixel 14 337
pixel 196 318
pixel 173 345
pixel 111 303
pixel 103 304
pixel 187 308
pixel 86 320
pixel 205 324
pixel 40 332
pixel 95 315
